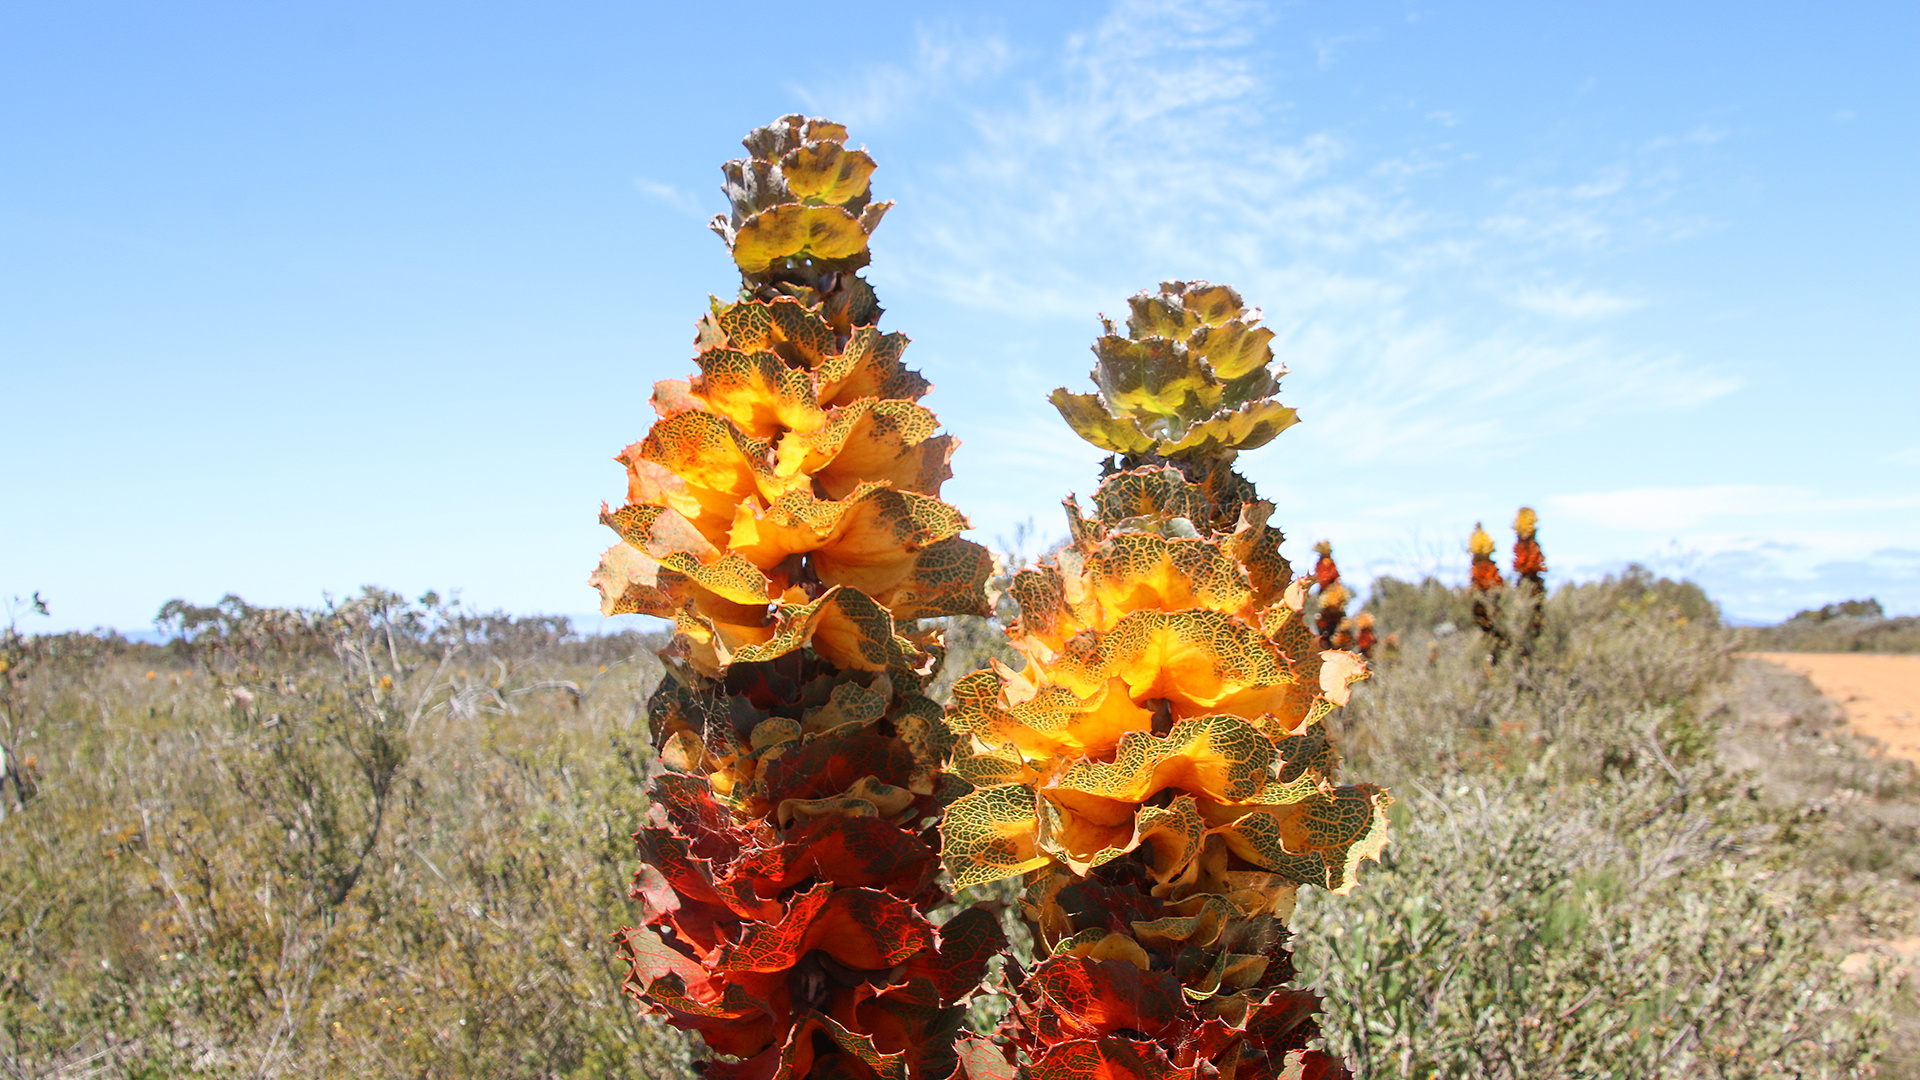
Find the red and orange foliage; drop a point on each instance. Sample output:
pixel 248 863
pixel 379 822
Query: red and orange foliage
pixel 1487 585
pixel 784 512
pixel 1331 597
pixel 1530 570
pixel 1485 573
pixel 1158 768
pixel 1529 563
pixel 1364 635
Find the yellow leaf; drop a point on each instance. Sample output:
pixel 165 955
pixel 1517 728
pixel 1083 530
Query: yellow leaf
pixel 1199 662
pixel 758 392
pixel 1088 416
pixel 871 441
pixel 1320 840
pixel 826 172
pixel 991 834
pixel 1247 428
pixel 1052 722
pixel 791 229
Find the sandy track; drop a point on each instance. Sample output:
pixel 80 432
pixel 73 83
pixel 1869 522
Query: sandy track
pixel 1880 692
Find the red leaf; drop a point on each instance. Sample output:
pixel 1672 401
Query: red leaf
pixel 1070 997
pixel 687 804
pixel 846 851
pixel 850 1055
pixel 1105 1059
pixel 981 1059
pixel 863 929
pixel 967 942
pixel 830 764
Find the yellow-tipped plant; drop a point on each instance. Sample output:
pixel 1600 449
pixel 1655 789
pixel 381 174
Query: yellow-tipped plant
pixel 1158 769
pixel 1530 569
pixel 1487 586
pixel 784 512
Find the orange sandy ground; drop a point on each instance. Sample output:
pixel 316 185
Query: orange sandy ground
pixel 1880 692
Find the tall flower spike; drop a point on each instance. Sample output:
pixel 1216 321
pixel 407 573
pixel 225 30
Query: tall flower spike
pixel 1364 636
pixel 1530 569
pixel 1159 769
pixel 784 512
pixel 1331 596
pixel 1487 585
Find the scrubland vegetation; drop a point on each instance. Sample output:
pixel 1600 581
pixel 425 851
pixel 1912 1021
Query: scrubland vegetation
pixel 391 839
pixel 381 839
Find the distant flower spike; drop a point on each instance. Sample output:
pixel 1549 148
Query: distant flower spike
pixel 1158 769
pixel 1530 568
pixel 784 512
pixel 1364 637
pixel 1331 599
pixel 1487 585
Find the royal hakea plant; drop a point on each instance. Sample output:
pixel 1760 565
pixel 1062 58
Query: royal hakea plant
pixel 1365 637
pixel 1331 597
pixel 1486 585
pixel 784 513
pixel 1529 569
pixel 1158 769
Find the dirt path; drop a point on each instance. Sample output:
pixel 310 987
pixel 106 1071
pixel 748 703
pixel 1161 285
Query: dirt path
pixel 1880 692
pixel 1880 696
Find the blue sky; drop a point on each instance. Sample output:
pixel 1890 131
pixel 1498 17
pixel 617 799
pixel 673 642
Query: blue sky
pixel 302 296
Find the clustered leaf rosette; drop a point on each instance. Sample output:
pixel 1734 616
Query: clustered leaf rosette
pixel 784 513
pixel 784 945
pixel 1159 769
pixel 1192 377
pixel 802 204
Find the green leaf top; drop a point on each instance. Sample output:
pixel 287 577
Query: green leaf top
pixel 1192 377
pixel 801 205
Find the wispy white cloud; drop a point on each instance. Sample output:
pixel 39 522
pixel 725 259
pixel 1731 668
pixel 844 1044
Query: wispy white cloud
pixel 1765 550
pixel 1568 301
pixel 1447 391
pixel 1326 47
pixel 681 200
pixel 945 58
pixel 1768 580
pixel 1661 509
pixel 1699 135
pixel 1557 204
